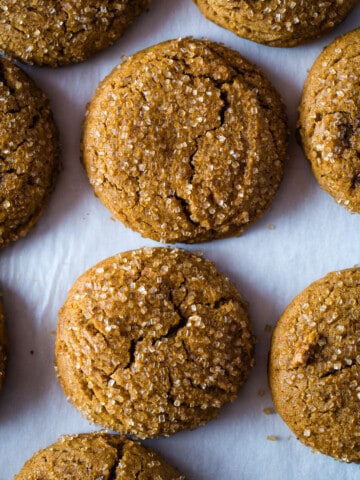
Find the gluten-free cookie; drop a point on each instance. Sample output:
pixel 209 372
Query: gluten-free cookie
pixel 95 456
pixel 3 344
pixel 329 120
pixel 185 142
pixel 54 33
pixel 153 341
pixel 279 24
pixel 314 366
pixel 29 152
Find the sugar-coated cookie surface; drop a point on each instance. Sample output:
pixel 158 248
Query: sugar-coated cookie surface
pixel 185 142
pixel 314 369
pixel 285 23
pixel 29 152
pixel 3 344
pixel 153 341
pixel 97 456
pixel 329 120
pixel 56 33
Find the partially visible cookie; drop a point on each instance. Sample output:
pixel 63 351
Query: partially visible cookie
pixel 185 142
pixel 329 120
pixel 314 368
pixel 97 456
pixel 153 341
pixel 3 343
pixel 29 152
pixel 54 33
pixel 279 24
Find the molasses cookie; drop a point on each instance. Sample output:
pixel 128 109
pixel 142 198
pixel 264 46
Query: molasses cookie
pixel 314 368
pixel 29 152
pixel 53 33
pixel 3 344
pixel 185 142
pixel 329 120
pixel 153 341
pixel 279 24
pixel 96 456
pixel 59 32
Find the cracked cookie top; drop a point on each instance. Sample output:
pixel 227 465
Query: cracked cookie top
pixel 314 369
pixel 3 344
pixel 96 456
pixel 185 142
pixel 153 341
pixel 29 152
pixel 284 23
pixel 58 32
pixel 329 120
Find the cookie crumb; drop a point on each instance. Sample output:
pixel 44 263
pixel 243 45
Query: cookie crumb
pixel 268 328
pixel 269 410
pixel 272 438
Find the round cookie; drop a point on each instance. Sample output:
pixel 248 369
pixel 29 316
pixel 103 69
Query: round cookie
pixel 314 367
pixel 3 344
pixel 278 24
pixel 96 456
pixel 29 152
pixel 54 33
pixel 153 341
pixel 185 142
pixel 329 120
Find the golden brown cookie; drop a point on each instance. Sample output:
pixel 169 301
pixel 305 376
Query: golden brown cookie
pixel 185 142
pixel 97 456
pixel 153 341
pixel 314 367
pixel 3 344
pixel 329 120
pixel 285 23
pixel 29 152
pixel 54 33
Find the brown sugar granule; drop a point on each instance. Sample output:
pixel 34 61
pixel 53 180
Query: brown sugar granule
pixel 3 344
pixel 97 456
pixel 185 142
pixel 284 23
pixel 29 152
pixel 153 341
pixel 54 33
pixel 314 368
pixel 329 120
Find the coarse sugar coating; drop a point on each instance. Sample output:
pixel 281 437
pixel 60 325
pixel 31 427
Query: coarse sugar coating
pixel 57 33
pixel 97 456
pixel 277 23
pixel 185 142
pixel 329 120
pixel 29 152
pixel 3 344
pixel 314 368
pixel 153 341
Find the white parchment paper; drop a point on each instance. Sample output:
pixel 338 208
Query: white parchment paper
pixel 303 236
